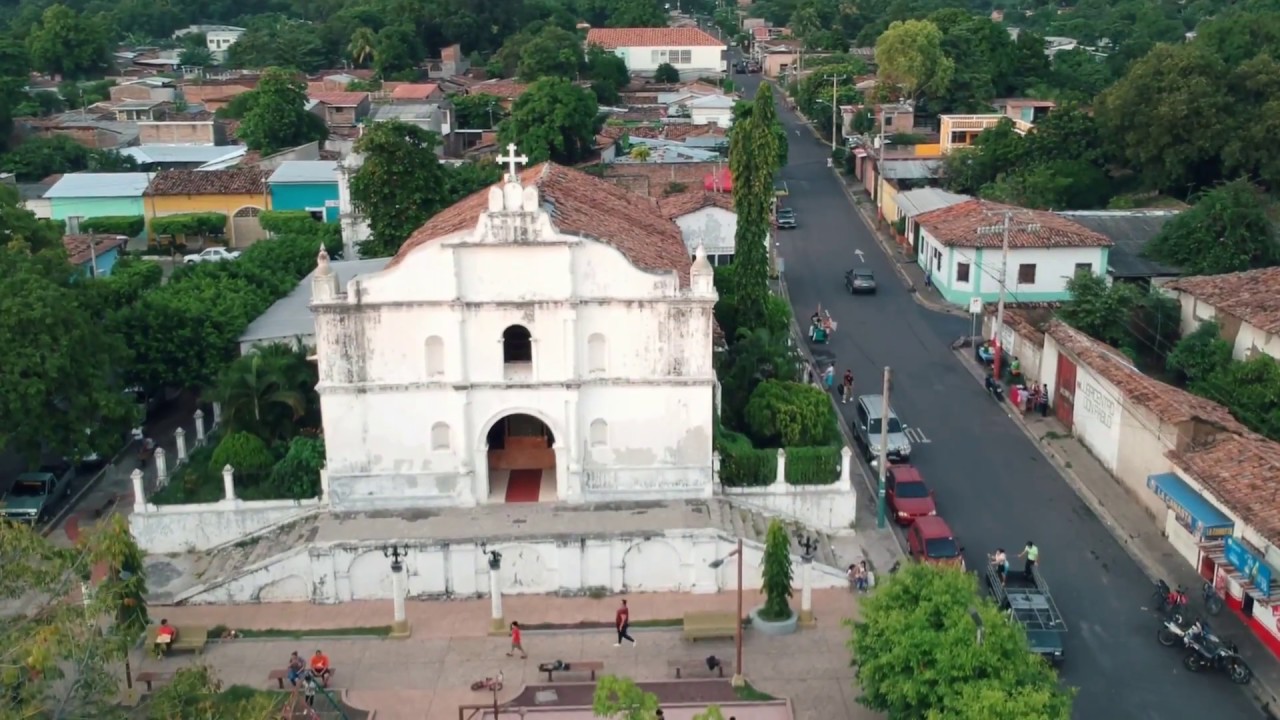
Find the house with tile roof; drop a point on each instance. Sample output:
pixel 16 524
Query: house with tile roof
pixel 1246 306
pixel 340 109
pixel 961 248
pixel 705 219
pixel 545 339
pixel 241 194
pixel 93 255
pixel 691 51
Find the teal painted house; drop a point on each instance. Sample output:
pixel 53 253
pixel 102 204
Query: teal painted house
pixel 310 185
pixel 89 195
pixel 961 248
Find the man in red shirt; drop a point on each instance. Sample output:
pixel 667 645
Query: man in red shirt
pixel 622 621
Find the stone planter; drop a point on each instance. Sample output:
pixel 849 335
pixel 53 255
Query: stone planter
pixel 770 627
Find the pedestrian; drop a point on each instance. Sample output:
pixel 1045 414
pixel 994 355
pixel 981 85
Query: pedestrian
pixel 846 388
pixel 622 621
pixel 517 642
pixel 871 575
pixel 852 574
pixel 928 278
pixel 1032 555
pixel 1001 563
pixel 829 377
pixel 1042 401
pixel 860 576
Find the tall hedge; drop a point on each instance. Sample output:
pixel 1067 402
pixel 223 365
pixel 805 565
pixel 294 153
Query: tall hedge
pixel 298 222
pixel 190 224
pixel 127 225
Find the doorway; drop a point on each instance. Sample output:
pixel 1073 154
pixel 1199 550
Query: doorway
pixel 522 460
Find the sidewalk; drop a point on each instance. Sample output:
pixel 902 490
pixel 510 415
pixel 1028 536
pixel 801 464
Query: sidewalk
pixel 1135 531
pixel 428 675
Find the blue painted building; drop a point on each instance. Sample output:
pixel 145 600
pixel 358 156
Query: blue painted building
pixel 310 185
pixel 94 256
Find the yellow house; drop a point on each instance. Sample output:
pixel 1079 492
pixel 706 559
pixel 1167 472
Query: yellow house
pixel 239 193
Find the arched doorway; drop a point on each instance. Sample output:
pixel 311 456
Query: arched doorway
pixel 246 227
pixel 522 461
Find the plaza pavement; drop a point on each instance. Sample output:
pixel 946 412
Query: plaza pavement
pixel 427 676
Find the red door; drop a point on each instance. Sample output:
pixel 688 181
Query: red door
pixel 1065 399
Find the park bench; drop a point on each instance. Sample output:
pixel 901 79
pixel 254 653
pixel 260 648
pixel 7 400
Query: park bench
pixel 150 677
pixel 706 625
pixel 580 666
pixel 190 637
pixel 697 664
pixel 279 676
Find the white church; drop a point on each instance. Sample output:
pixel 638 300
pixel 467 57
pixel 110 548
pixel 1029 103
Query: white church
pixel 545 340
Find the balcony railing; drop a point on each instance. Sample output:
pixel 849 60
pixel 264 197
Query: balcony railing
pixel 978 123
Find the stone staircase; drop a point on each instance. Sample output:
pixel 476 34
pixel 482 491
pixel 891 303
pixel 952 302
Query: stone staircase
pixel 749 524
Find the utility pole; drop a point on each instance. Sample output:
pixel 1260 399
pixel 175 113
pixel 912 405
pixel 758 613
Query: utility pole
pixel 883 462
pixel 834 108
pixel 1005 228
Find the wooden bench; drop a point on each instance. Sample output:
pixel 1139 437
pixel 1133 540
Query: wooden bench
pixel 581 666
pixel 148 678
pixel 706 625
pixel 692 663
pixel 190 637
pixel 279 676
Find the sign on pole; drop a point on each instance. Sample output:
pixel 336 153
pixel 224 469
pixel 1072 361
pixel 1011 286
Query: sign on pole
pixel 975 306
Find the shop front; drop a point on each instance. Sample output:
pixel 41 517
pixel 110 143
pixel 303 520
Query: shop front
pixel 1241 574
pixel 1192 521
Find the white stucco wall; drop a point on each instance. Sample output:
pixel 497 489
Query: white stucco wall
pixel 675 561
pixel 721 117
pixel 193 528
pixel 611 343
pixel 1028 353
pixel 1097 408
pixel 1054 267
pixel 1248 340
pixel 713 227
pixel 703 58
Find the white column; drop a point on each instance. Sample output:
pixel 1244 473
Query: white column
pixel 496 623
pixel 781 477
pixel 180 437
pixel 400 626
pixel 199 416
pixel 162 468
pixel 217 414
pixel 229 482
pixel 846 458
pixel 139 491
pixel 324 483
pixel 715 467
pixel 806 591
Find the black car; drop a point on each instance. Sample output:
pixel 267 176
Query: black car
pixel 860 281
pixel 786 219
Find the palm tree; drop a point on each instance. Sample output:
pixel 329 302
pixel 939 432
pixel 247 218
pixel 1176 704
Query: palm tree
pixel 265 392
pixel 361 46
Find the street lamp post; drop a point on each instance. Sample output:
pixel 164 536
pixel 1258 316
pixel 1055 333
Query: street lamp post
pixel 738 679
pixel 400 626
pixel 809 548
pixel 496 622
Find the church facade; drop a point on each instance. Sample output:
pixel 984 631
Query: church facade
pixel 544 340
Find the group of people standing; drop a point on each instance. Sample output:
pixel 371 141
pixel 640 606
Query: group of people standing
pixel 1030 555
pixel 846 382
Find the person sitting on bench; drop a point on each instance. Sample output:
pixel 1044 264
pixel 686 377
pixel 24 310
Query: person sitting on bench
pixel 320 667
pixel 165 637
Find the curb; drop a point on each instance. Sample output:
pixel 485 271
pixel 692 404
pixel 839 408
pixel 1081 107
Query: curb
pixel 74 500
pixel 1264 695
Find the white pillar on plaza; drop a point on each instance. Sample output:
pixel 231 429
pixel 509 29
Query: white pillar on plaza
pixel 229 482
pixel 139 491
pixel 180 438
pixel 806 590
pixel 217 414
pixel 162 468
pixel 846 460
pixel 781 477
pixel 496 622
pixel 400 625
pixel 199 416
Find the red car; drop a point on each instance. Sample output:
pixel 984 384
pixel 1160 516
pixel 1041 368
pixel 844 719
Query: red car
pixel 930 540
pixel 908 497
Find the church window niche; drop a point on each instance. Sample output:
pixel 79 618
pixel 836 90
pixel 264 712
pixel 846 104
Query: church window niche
pixel 435 356
pixel 597 353
pixel 440 436
pixel 517 353
pixel 599 433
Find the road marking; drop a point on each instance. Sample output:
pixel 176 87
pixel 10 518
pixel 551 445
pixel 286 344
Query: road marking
pixel 859 254
pixel 916 435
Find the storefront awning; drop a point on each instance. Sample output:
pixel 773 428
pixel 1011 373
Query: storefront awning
pixel 1196 514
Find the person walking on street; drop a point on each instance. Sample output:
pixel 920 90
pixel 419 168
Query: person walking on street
pixel 846 388
pixel 829 378
pixel 517 642
pixel 1032 554
pixel 622 621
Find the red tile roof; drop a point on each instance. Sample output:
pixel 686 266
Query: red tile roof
pixel 414 91
pixel 1166 402
pixel 957 226
pixel 340 99
pixel 1240 471
pixel 77 246
pixel 1028 320
pixel 1253 295
pixel 579 204
pixel 681 204
pixel 235 181
pixel 612 38
pixel 505 89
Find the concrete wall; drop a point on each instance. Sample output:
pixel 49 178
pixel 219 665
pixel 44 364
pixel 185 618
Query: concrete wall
pixel 1028 353
pixel 703 59
pixel 307 196
pixel 1245 339
pixel 193 528
pixel 63 208
pixel 672 561
pixel 712 227
pixel 206 132
pixel 1053 268
pixel 831 508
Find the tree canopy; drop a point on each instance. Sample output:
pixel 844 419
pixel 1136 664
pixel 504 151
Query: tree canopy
pixel 276 117
pixel 1227 230
pixel 553 120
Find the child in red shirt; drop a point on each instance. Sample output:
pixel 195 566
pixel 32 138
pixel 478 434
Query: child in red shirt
pixel 516 643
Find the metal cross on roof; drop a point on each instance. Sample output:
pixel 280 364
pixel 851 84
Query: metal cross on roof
pixel 512 160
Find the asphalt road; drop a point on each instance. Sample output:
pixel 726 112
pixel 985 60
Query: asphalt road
pixel 993 485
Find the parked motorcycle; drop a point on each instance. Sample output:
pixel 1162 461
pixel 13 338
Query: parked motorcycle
pixel 1170 602
pixel 1172 633
pixel 1212 600
pixel 1222 655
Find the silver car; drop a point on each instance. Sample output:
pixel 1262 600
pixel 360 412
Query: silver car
pixel 872 416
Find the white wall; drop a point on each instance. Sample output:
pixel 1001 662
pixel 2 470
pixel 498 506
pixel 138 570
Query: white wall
pixel 672 561
pixel 1097 409
pixel 1054 267
pixel 721 117
pixel 192 528
pixel 713 227
pixel 1249 339
pixel 702 58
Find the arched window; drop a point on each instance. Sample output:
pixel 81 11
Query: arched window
pixel 440 436
pixel 599 433
pixel 435 356
pixel 517 345
pixel 597 353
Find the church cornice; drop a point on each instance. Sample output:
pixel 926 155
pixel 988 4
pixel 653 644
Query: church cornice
pixel 371 388
pixel 674 301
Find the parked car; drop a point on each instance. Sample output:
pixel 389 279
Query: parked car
pixel 908 497
pixel 33 495
pixel 213 254
pixel 860 281
pixel 870 416
pixel 930 540
pixel 786 218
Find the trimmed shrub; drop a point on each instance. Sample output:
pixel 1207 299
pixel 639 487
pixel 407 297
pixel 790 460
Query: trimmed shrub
pixel 297 475
pixel 813 465
pixel 190 224
pixel 295 222
pixel 246 453
pixel 127 225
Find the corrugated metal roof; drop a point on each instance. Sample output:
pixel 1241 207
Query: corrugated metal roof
pixel 911 169
pixel 90 185
pixel 291 317
pixel 183 153
pixel 918 202
pixel 305 171
pixel 1130 230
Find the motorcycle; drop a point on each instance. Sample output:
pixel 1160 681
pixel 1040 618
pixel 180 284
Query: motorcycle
pixel 1170 602
pixel 1173 633
pixel 1221 655
pixel 1212 600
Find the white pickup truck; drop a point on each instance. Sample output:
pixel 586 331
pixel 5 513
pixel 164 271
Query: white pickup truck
pixel 213 254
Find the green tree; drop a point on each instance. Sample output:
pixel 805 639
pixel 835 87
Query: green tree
pixel 400 185
pixel 468 177
pixel 23 231
pixel 666 73
pixel 297 475
pixel 553 52
pixel 790 414
pixel 608 74
pixel 1100 310
pixel 276 118
pixel 361 46
pixel 195 693
pixel 619 698
pixel 196 57
pixel 917 656
pixel 67 44
pixel 246 453
pixel 38 158
pixel 753 160
pixel 279 41
pixel 1255 90
pixel 776 573
pixel 1078 75
pixel 754 357
pixel 1201 354
pixel 265 392
pixel 1227 230
pixel 910 55
pixel 1068 134
pixel 1250 389
pixel 1057 185
pixel 395 51
pixel 553 120
pixel 478 111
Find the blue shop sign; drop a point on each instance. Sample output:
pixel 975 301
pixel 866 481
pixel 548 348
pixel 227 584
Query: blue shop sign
pixel 1195 514
pixel 1253 568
